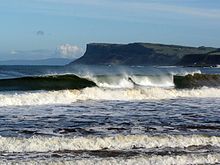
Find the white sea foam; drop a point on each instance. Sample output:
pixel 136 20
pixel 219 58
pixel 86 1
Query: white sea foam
pixel 140 160
pixel 164 80
pixel 145 81
pixel 38 98
pixel 119 142
pixel 71 96
pixel 159 81
pixel 123 81
pixel 185 72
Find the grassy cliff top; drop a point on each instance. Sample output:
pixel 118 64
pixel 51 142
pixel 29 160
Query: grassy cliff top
pixel 163 48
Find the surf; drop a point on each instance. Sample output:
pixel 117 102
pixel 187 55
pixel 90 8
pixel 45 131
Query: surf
pixel 71 158
pixel 120 81
pixel 118 142
pixel 100 94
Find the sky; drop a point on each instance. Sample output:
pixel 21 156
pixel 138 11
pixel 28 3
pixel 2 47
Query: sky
pixel 38 29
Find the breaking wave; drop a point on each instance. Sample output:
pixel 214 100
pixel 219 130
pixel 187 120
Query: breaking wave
pixel 71 81
pixel 66 89
pixel 119 149
pixel 119 142
pixel 141 160
pixel 95 93
pixel 122 81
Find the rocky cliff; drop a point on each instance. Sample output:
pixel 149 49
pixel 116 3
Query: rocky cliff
pixel 208 59
pixel 139 54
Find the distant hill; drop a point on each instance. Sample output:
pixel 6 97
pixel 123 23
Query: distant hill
pixel 49 61
pixel 141 54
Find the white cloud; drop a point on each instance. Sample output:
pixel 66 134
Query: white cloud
pixel 69 51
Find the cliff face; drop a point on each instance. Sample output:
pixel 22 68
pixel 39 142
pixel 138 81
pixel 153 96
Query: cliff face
pixel 137 54
pixel 207 59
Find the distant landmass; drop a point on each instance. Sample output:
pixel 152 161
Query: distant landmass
pixel 211 58
pixel 148 54
pixel 49 61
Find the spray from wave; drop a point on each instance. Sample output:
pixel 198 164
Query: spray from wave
pixel 154 79
pixel 72 81
pixel 124 81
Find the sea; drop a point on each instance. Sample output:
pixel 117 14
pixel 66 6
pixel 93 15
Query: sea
pixel 134 115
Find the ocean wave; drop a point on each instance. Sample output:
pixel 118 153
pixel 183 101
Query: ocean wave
pixel 164 80
pixel 95 93
pixel 141 160
pixel 119 142
pixel 122 81
pixel 71 81
pixel 197 81
pixel 49 82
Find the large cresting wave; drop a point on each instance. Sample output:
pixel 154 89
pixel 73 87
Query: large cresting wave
pixel 71 81
pixel 66 89
pixel 120 149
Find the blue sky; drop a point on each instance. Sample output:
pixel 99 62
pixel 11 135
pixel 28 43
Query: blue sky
pixel 34 29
